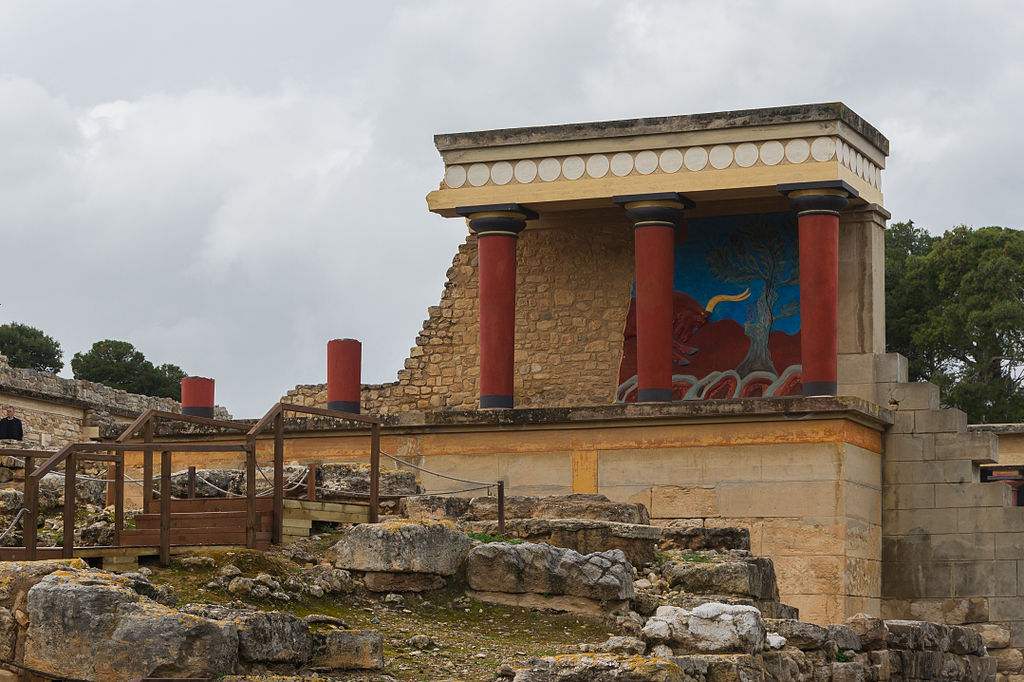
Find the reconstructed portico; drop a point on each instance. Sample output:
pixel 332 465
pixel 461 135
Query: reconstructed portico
pixel 815 161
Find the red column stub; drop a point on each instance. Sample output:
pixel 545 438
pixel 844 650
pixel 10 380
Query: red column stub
pixel 656 218
pixel 497 229
pixel 344 375
pixel 197 397
pixel 818 205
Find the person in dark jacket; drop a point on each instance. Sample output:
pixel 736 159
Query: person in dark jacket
pixel 10 427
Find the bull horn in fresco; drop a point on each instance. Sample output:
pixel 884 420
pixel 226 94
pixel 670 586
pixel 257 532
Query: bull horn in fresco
pixel 715 300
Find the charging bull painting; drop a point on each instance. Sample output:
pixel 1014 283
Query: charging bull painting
pixel 736 313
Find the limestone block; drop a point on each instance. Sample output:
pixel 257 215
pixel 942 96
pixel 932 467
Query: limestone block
pixel 673 502
pixel 909 496
pixel 18 577
pixel 803 636
pixel 993 635
pixel 401 547
pixel 582 535
pixel 910 396
pixel 997 578
pixel 906 473
pixel 403 582
pixel 856 368
pixel 891 367
pixel 951 611
pixel 845 637
pixel 542 569
pixel 972 495
pixel 599 666
pixel 696 538
pixel 940 421
pixel 963 546
pixel 1008 660
pixel 751 578
pixel 263 636
pixel 433 507
pixel 980 447
pixel 576 506
pixel 917 580
pixel 348 650
pixel 908 447
pixel 991 519
pixel 709 628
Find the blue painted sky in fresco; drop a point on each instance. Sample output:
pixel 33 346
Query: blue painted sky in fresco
pixel 693 277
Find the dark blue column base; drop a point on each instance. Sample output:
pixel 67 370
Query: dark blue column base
pixel 654 395
pixel 492 401
pixel 197 411
pixel 819 388
pixel 350 406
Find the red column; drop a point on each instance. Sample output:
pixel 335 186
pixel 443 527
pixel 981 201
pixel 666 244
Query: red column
pixel 497 230
pixel 818 205
pixel 344 384
pixel 197 396
pixel 655 220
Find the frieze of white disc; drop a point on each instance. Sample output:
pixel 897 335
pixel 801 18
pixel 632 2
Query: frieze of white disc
pixel 597 166
pixel 501 173
pixel 622 164
pixel 695 158
pixel 455 176
pixel 720 156
pixel 843 153
pixel 823 148
pixel 671 160
pixel 646 162
pixel 859 169
pixel 478 174
pixel 549 169
pixel 772 152
pixel 526 171
pixel 573 168
pixel 746 155
pixel 797 150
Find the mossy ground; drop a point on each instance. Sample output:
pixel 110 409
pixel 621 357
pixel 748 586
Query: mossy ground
pixel 474 639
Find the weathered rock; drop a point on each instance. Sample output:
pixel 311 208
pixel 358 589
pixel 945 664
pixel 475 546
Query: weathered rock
pixel 327 579
pixel 8 634
pixel 348 650
pixel 599 668
pixel 583 535
pixel 228 572
pixel 803 636
pixel 543 569
pixel 698 537
pixel 100 533
pixel 844 637
pixel 198 561
pixel 232 480
pixel 240 586
pixel 401 547
pixel 630 646
pixel 965 640
pixel 849 672
pixel 263 636
pixel 872 632
pixel 709 628
pixel 577 506
pixel 1008 660
pixel 751 578
pixel 433 507
pixel 92 625
pixel 994 636
pixel 18 577
pixel 11 500
pixel 6 474
pixel 402 582
pixel 51 491
pixel 336 481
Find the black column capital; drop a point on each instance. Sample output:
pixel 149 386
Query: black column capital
pixel 496 219
pixel 827 197
pixel 664 208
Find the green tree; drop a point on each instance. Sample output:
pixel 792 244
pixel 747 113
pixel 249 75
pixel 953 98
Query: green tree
pixel 959 307
pixel 29 347
pixel 119 365
pixel 902 313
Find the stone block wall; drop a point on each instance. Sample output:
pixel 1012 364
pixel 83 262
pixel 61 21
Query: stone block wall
pixel 952 547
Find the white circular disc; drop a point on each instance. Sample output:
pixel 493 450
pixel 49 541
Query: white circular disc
pixel 797 151
pixel 455 176
pixel 622 164
pixel 859 169
pixel 478 174
pixel 746 155
pixel 646 162
pixel 720 156
pixel 597 166
pixel 501 173
pixel 671 160
pixel 695 158
pixel 823 148
pixel 526 171
pixel 771 152
pixel 573 167
pixel 549 169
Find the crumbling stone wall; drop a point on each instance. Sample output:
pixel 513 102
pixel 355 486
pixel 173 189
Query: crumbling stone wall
pixel 574 280
pixel 55 411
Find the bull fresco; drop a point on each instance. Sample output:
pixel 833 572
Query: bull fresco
pixel 736 314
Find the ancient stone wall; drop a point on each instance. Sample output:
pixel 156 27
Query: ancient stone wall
pixel 55 411
pixel 574 279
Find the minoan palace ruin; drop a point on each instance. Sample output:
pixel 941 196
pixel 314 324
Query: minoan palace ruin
pixel 688 312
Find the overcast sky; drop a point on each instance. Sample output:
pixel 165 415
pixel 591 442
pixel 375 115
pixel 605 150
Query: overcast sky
pixel 261 167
